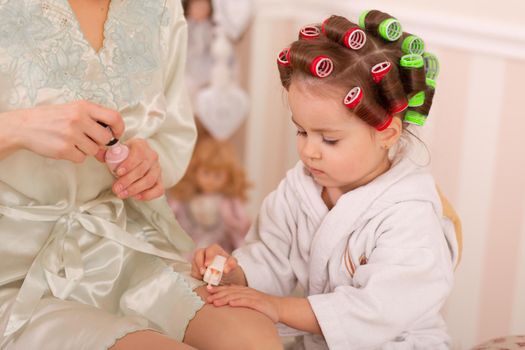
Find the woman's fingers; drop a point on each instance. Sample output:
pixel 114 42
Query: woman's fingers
pixel 110 117
pixel 145 182
pixel 152 193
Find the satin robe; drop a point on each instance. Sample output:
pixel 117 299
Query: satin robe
pixel 80 267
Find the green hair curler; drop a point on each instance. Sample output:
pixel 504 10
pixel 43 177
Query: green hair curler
pixel 417 100
pixel 413 45
pixel 412 61
pixel 413 117
pixel 431 66
pixel 362 19
pixel 389 28
pixel 431 83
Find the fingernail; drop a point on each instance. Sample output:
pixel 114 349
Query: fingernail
pixel 123 194
pixel 202 270
pixel 121 171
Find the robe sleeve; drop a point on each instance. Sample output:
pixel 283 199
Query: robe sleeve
pixel 265 259
pixel 176 137
pixel 405 281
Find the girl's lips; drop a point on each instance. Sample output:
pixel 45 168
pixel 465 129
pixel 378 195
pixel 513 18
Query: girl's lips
pixel 315 171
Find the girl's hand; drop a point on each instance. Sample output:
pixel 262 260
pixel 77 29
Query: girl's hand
pixel 239 296
pixel 232 273
pixel 139 176
pixel 69 131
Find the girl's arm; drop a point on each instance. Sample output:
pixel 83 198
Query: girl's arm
pixel 297 313
pixel 293 312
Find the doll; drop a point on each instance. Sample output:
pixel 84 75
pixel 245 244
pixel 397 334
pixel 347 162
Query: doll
pixel 199 14
pixel 209 201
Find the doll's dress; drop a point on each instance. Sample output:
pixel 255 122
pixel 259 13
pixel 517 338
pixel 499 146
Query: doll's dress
pixel 213 218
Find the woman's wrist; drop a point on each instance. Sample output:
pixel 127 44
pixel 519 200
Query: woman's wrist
pixel 10 136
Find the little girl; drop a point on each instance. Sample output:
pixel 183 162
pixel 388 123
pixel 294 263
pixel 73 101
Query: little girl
pixel 356 223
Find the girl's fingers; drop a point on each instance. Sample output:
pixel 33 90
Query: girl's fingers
pixel 198 260
pixel 230 265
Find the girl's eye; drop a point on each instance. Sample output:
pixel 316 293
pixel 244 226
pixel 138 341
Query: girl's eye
pixel 330 142
pixel 301 133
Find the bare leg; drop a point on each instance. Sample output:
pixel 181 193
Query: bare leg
pixel 145 340
pixel 228 328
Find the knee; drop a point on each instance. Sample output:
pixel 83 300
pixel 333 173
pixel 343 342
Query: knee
pixel 263 336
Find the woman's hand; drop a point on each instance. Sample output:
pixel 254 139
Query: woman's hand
pixel 232 274
pixel 139 176
pixel 239 296
pixel 69 131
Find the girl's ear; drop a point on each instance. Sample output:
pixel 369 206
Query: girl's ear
pixel 388 137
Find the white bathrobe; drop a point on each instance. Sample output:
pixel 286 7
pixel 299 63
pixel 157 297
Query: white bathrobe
pixel 376 268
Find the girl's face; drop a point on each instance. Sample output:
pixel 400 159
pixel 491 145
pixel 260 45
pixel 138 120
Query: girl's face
pixel 199 10
pixel 209 180
pixel 341 151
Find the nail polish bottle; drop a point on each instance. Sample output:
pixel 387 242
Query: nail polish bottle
pixel 115 155
pixel 213 273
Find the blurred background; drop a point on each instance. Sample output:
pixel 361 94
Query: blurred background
pixel 474 131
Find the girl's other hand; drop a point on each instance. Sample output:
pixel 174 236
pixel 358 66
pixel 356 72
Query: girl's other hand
pixel 139 176
pixel 239 296
pixel 69 131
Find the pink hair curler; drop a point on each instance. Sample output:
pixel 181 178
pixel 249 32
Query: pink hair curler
pixel 354 96
pixel 380 70
pixel 355 38
pixel 322 66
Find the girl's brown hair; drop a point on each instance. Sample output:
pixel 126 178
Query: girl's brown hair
pixel 352 68
pixel 217 156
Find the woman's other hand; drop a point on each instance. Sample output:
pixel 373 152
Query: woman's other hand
pixel 139 176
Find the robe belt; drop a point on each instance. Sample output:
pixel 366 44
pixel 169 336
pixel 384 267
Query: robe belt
pixel 58 267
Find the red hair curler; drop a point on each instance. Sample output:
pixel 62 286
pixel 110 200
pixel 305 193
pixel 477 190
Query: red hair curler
pixel 354 96
pixel 380 70
pixel 322 66
pixel 284 57
pixel 355 38
pixel 386 123
pixel 399 107
pixel 309 32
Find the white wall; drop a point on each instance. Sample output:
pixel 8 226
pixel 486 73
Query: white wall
pixel 474 134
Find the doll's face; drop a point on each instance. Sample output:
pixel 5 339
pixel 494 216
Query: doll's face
pixel 199 10
pixel 210 181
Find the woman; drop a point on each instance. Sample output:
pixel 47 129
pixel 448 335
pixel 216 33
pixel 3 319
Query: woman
pixel 93 261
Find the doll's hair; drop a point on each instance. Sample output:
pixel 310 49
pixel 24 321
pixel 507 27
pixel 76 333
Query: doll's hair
pixel 380 98
pixel 216 156
pixel 186 5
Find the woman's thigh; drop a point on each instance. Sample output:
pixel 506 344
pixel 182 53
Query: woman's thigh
pixel 230 328
pixel 145 340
